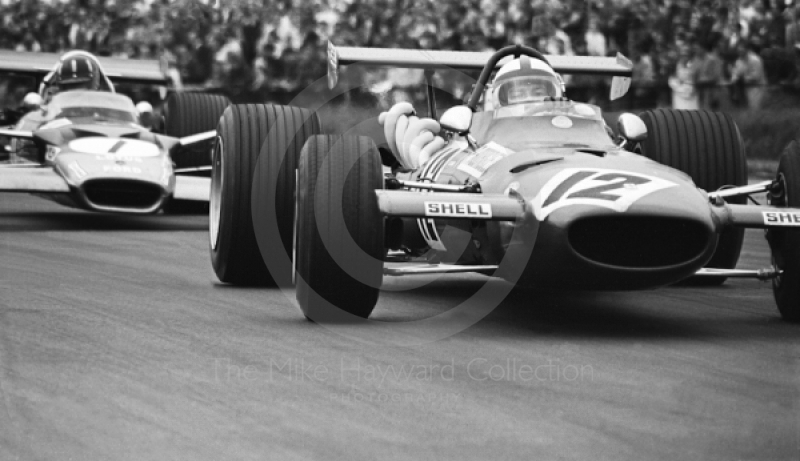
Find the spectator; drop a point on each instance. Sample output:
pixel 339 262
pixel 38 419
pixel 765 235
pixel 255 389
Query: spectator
pixel 709 76
pixel 78 34
pixel 748 73
pixel 595 40
pixel 276 32
pixel 792 40
pixel 644 77
pixel 792 36
pixel 201 62
pixel 29 43
pixel 684 95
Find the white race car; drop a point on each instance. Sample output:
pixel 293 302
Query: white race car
pixel 82 144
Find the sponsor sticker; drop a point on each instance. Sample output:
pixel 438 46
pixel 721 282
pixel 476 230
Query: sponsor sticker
pixel 458 210
pixel 479 161
pixel 119 158
pixel 613 189
pixel 51 152
pixel 781 218
pixel 562 121
pixel 584 110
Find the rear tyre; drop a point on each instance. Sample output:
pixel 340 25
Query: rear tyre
pixel 188 114
pixel 247 133
pixel 340 230
pixel 785 243
pixel 708 147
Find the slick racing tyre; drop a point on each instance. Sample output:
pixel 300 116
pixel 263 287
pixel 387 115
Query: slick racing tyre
pixel 192 113
pixel 708 147
pixel 188 114
pixel 340 230
pixel 785 243
pixel 257 146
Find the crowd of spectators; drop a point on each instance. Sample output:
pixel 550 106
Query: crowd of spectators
pixel 691 49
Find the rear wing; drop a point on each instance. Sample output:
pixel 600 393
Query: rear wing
pixel 146 71
pixel 618 66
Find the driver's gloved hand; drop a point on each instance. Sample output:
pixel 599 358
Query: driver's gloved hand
pixel 412 140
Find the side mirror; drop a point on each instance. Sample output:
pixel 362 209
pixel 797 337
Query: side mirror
pixel 457 119
pixel 631 127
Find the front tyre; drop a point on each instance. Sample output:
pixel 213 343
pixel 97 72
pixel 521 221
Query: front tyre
pixel 253 167
pixel 340 230
pixel 785 243
pixel 708 147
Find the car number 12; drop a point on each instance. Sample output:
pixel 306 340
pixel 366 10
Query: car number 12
pixel 613 189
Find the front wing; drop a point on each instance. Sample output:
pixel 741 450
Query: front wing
pixel 449 205
pixel 498 207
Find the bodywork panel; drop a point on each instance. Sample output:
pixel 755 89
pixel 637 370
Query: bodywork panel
pixel 561 205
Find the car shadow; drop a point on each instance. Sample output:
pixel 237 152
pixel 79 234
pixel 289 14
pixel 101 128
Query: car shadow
pixel 41 221
pixel 525 313
pixel 675 312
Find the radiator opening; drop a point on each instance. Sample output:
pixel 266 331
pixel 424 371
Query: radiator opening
pixel 639 241
pixel 122 193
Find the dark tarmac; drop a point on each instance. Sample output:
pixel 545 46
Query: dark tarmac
pixel 118 343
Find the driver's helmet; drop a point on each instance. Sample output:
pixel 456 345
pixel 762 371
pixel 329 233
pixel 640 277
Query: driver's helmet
pixel 526 79
pixel 78 73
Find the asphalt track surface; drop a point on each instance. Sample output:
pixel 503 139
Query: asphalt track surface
pixel 116 342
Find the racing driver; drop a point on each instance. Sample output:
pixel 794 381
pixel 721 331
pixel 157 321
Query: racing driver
pixel 523 80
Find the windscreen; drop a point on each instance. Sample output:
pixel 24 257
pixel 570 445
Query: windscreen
pixel 96 105
pixel 96 113
pixel 543 124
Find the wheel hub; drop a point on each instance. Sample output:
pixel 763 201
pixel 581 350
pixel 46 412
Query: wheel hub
pixel 215 206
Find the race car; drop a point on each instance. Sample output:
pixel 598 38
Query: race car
pixel 82 144
pixel 519 183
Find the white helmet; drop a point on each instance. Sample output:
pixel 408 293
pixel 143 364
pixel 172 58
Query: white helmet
pixel 525 79
pixel 32 101
pixel 143 107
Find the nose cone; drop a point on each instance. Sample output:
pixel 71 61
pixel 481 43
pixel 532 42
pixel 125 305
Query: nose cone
pixel 601 228
pixel 117 175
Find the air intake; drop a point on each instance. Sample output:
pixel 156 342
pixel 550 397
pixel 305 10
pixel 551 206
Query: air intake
pixel 122 193
pixel 639 241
